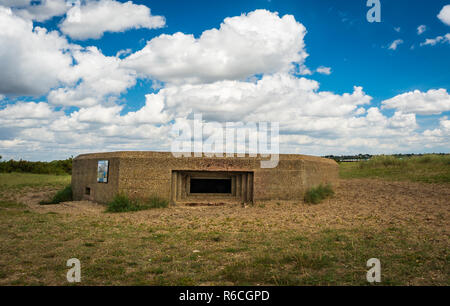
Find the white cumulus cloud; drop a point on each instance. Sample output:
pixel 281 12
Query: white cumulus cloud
pixel 444 14
pixel 279 97
pixel 95 76
pixel 434 101
pixel 311 121
pixel 26 110
pixel 41 11
pixel 94 18
pixel 32 60
pixel 254 43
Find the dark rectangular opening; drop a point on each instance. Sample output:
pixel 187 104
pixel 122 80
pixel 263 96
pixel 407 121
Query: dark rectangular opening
pixel 87 191
pixel 210 185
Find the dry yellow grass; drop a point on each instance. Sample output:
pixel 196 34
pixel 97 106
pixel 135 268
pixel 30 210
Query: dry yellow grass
pixel 404 224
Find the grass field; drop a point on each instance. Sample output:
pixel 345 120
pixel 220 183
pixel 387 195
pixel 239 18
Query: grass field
pixel 404 224
pixel 21 180
pixel 427 168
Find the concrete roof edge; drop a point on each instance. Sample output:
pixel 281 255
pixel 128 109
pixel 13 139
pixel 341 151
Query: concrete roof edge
pixel 162 154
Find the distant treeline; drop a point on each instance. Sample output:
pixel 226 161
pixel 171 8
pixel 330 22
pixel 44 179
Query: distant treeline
pixel 53 167
pixel 340 158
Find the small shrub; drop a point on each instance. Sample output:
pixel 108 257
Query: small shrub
pixel 63 195
pixel 318 194
pixel 122 203
pixel 154 202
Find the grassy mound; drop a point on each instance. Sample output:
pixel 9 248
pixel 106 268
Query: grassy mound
pixel 63 195
pixel 122 203
pixel 318 194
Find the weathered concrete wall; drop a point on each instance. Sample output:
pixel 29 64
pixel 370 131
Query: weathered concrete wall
pixel 293 176
pixel 143 174
pixel 84 175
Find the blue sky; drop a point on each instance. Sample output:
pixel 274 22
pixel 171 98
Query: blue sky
pixel 338 36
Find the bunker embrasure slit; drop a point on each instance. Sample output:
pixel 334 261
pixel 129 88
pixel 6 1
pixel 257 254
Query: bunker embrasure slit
pixel 210 185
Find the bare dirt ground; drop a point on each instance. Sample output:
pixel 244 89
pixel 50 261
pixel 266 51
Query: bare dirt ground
pixel 357 201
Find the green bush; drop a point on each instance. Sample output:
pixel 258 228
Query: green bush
pixel 23 166
pixel 122 203
pixel 317 194
pixel 63 195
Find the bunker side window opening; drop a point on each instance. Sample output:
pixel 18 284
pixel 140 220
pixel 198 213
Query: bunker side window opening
pixel 102 171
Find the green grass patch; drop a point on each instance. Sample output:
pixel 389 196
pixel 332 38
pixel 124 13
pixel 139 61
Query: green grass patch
pixel 122 203
pixel 63 195
pixel 317 194
pixel 19 180
pixel 430 168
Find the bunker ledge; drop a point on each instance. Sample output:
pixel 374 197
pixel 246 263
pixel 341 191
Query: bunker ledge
pixel 141 174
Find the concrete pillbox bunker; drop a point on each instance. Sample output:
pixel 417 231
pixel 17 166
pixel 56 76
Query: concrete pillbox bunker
pixel 141 174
